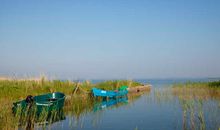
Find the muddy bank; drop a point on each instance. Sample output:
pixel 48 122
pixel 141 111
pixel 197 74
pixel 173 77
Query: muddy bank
pixel 139 88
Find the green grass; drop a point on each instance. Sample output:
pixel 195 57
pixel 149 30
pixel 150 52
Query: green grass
pixel 19 89
pixel 200 90
pixel 15 89
pixel 115 84
pixel 214 84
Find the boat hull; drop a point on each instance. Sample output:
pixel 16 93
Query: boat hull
pixel 103 93
pixel 46 102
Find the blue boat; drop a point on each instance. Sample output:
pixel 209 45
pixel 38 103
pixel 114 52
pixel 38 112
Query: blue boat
pixel 103 93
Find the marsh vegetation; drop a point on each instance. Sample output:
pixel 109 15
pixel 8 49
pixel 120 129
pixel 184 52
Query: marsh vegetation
pixel 78 98
pixel 194 105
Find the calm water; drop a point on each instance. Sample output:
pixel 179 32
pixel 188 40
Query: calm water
pixel 155 110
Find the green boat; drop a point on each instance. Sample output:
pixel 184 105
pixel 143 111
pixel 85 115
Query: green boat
pixel 46 102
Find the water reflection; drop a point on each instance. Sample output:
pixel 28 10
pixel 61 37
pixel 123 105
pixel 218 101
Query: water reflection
pixel 83 110
pixel 81 105
pixel 199 107
pixel 106 103
pixel 29 119
pixel 162 108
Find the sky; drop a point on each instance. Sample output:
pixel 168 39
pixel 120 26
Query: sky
pixel 106 39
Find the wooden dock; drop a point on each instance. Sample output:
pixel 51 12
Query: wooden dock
pixel 139 88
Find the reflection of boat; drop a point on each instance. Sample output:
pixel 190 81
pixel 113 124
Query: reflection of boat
pixel 103 93
pixel 55 116
pixel 48 102
pixel 109 103
pixel 30 120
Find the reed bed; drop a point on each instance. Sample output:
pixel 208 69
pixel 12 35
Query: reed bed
pixel 199 90
pixel 199 102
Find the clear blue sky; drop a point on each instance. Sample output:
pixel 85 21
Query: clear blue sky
pixel 110 38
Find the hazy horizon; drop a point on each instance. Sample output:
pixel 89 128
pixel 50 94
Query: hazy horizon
pixel 110 39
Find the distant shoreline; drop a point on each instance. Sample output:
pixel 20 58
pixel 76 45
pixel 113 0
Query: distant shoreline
pixel 38 78
pixel 21 79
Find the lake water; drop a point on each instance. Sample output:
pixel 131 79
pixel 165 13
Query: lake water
pixel 158 109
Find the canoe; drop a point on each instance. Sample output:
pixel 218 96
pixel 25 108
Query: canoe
pixel 48 102
pixel 103 93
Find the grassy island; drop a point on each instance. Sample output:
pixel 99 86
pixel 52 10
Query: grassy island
pixel 198 89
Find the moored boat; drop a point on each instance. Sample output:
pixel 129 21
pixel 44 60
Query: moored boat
pixel 103 93
pixel 46 102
